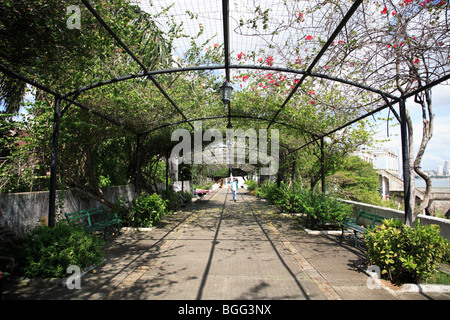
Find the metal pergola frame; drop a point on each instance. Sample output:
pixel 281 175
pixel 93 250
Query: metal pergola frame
pixel 70 98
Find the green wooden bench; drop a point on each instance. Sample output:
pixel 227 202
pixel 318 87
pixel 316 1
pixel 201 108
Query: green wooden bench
pixel 96 219
pixel 354 223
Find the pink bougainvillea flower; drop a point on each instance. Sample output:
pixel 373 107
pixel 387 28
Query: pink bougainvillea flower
pixel 416 61
pixel 384 11
pixel 309 38
pixel 311 92
pixel 241 55
pixel 394 13
pixel 312 102
pixel 269 60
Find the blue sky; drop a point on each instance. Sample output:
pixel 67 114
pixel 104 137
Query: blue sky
pixel 438 149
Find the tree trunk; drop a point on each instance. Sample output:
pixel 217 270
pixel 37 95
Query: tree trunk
pixel 427 127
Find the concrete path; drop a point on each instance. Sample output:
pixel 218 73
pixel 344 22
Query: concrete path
pixel 218 249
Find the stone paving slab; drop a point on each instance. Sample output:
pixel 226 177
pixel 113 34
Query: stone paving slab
pixel 217 249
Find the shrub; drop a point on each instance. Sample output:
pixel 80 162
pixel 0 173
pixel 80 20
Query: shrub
pixel 320 210
pixel 251 184
pixel 405 254
pixel 48 252
pixel 147 211
pixel 270 192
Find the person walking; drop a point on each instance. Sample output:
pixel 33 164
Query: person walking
pixel 234 188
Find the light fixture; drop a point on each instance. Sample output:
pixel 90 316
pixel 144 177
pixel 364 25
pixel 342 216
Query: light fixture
pixel 225 92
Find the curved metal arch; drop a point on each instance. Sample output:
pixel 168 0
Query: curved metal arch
pixel 222 67
pixel 222 117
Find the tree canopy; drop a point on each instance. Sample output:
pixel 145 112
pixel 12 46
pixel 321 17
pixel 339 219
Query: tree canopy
pixel 124 69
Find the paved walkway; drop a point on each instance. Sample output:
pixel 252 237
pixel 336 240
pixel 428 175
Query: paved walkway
pixel 220 249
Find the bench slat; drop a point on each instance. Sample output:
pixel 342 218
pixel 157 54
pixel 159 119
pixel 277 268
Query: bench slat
pixel 90 225
pixel 352 223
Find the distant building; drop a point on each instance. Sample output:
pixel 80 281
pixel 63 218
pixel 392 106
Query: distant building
pixel 440 170
pixel 380 158
pixel 447 168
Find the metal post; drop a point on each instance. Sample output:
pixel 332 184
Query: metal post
pixel 167 171
pixel 54 163
pixel 137 169
pixel 405 159
pixel 294 177
pixel 322 164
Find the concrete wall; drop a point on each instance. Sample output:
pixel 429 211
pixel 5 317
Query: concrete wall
pixel 444 224
pixel 20 211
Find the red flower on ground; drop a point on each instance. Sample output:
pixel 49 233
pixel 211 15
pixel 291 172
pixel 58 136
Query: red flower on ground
pixel 309 38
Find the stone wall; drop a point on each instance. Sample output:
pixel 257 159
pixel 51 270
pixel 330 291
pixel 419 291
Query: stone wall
pixel 20 211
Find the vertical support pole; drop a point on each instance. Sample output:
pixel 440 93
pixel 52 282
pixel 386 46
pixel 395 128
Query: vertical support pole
pixel 322 164
pixel 167 171
pixel 294 176
pixel 54 163
pixel 192 178
pixel 137 169
pixel 405 160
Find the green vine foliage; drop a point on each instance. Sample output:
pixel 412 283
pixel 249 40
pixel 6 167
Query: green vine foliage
pixel 406 254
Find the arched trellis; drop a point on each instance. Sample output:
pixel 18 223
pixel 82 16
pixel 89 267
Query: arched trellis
pixel 70 97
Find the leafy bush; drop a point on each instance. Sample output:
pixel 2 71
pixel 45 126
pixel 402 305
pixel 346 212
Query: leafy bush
pixel 48 252
pixel 271 192
pixel 321 211
pixel 147 211
pixel 251 184
pixel 405 254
